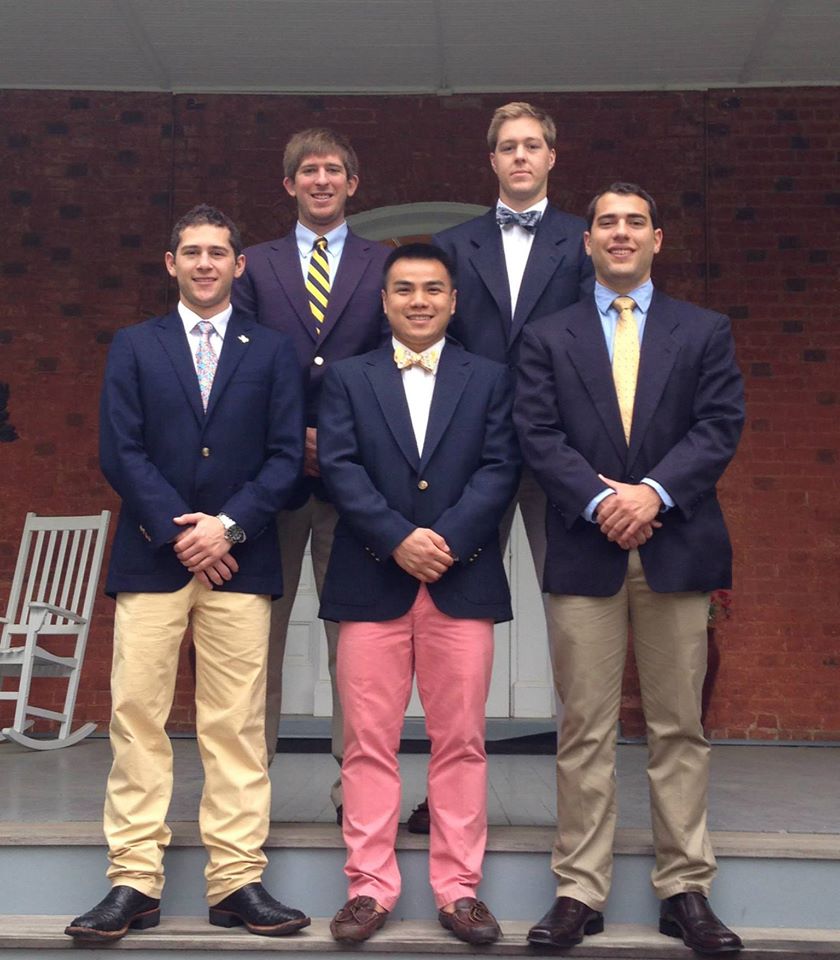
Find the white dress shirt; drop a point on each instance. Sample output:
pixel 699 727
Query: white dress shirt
pixel 419 385
pixel 517 243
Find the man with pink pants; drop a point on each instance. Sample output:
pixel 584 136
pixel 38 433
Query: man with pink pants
pixel 418 453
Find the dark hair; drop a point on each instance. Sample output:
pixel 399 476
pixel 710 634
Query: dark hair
pixel 418 251
pixel 318 142
pixel 624 190
pixel 515 110
pixel 201 214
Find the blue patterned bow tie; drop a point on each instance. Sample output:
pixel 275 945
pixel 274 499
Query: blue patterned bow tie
pixel 527 220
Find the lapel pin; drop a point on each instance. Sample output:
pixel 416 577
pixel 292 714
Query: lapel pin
pixel 243 339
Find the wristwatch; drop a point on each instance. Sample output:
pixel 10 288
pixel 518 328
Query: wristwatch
pixel 233 532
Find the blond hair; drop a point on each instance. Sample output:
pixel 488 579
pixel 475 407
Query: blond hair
pixel 515 110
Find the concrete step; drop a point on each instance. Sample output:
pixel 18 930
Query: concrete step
pixel 780 880
pixel 27 937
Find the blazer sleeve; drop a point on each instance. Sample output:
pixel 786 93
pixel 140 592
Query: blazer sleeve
pixel 254 505
pixel 144 490
pixel 569 480
pixel 474 519
pixel 692 466
pixel 376 524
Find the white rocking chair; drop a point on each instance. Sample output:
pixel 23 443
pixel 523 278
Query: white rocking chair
pixel 53 590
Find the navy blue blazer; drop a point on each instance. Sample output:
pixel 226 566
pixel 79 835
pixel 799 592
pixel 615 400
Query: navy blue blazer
pixel 272 291
pixel 383 489
pixel 558 273
pixel 687 420
pixel 164 456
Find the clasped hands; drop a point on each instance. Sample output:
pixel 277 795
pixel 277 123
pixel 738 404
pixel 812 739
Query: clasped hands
pixel 203 549
pixel 424 554
pixel 628 516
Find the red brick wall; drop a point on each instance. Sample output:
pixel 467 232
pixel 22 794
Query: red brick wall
pixel 748 185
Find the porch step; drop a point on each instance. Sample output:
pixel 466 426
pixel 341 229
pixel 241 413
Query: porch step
pixel 21 935
pixel 766 880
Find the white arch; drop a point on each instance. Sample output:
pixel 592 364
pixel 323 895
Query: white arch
pixel 411 219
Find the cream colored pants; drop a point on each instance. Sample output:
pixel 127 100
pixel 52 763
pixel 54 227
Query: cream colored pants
pixel 230 632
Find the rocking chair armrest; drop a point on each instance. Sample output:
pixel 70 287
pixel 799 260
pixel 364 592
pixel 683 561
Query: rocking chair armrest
pixel 56 611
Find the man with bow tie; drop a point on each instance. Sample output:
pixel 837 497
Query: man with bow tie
pixel 521 260
pixel 418 453
pixel 201 435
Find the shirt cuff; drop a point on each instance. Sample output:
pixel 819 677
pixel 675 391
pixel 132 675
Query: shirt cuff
pixel 667 502
pixel 592 506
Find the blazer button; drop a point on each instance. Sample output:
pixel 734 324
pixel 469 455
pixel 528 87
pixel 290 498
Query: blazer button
pixel 205 451
pixel 318 361
pixel 423 485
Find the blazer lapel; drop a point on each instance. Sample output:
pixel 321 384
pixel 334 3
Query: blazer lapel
pixel 453 373
pixel 234 347
pixel 354 261
pixel 489 262
pixel 547 250
pixel 285 261
pixel 170 331
pixel 658 355
pixel 386 381
pixel 588 352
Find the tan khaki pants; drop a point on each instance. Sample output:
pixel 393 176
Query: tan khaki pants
pixel 589 635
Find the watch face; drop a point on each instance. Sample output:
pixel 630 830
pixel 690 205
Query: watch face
pixel 235 533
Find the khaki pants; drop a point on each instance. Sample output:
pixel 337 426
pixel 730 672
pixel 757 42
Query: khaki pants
pixel 589 635
pixel 229 632
pixel 294 527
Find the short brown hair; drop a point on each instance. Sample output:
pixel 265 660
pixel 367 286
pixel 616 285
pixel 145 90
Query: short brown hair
pixel 199 215
pixel 624 189
pixel 318 141
pixel 515 110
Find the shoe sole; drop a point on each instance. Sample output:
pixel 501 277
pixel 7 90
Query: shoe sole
pixel 224 918
pixel 590 928
pixel 142 921
pixel 672 929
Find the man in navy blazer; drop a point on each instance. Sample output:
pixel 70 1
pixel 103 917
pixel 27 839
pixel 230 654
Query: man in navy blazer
pixel 321 173
pixel 521 260
pixel 629 408
pixel 418 453
pixel 201 435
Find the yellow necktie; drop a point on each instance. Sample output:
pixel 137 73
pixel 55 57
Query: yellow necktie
pixel 318 282
pixel 625 363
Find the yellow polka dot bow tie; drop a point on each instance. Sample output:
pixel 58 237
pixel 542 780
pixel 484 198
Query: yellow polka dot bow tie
pixel 405 358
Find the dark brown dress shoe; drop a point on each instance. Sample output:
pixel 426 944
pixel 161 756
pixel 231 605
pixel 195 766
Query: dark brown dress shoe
pixel 471 922
pixel 124 908
pixel 566 923
pixel 689 917
pixel 420 820
pixel 255 908
pixel 357 920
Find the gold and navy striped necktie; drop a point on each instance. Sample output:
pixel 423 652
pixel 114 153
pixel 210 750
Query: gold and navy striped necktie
pixel 318 282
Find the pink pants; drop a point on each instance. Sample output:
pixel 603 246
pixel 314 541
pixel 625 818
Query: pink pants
pixel 453 660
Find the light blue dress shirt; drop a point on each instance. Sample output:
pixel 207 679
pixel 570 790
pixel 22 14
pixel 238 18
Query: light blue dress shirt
pixel 335 246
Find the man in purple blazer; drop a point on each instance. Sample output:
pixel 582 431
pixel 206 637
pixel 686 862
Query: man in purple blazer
pixel 320 285
pixel 629 408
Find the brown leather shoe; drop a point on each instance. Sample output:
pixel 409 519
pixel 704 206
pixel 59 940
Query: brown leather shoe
pixel 357 920
pixel 471 922
pixel 566 923
pixel 420 820
pixel 689 917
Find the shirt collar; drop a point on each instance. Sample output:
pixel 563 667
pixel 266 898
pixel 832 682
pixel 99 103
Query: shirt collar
pixel 335 239
pixel 189 318
pixel 604 297
pixel 435 346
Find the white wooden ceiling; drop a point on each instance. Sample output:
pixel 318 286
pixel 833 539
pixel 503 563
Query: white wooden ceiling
pixel 416 46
